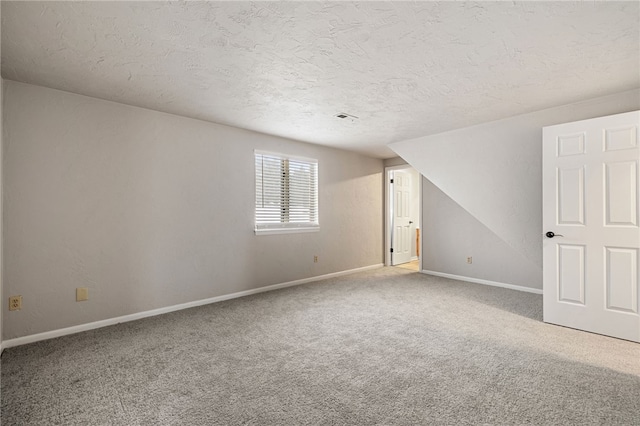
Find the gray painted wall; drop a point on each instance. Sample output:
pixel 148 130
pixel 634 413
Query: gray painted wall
pixel 150 210
pixel 395 161
pixel 493 171
pixel 450 234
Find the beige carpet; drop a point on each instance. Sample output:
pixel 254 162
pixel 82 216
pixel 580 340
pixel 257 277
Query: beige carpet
pixel 384 347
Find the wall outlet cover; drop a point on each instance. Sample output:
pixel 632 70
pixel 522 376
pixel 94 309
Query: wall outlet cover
pixel 15 303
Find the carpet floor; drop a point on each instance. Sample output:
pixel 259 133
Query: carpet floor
pixel 387 346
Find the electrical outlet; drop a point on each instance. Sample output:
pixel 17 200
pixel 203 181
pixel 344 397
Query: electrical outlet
pixel 469 259
pixel 315 259
pixel 82 294
pixel 15 303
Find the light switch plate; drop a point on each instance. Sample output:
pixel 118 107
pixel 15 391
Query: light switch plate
pixel 82 294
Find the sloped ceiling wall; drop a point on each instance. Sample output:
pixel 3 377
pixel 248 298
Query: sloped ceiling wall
pixel 493 170
pixel 445 220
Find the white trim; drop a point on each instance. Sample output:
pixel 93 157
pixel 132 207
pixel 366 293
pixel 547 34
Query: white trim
pixel 132 317
pixel 291 230
pixel 485 282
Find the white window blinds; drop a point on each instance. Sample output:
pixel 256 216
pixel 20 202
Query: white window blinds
pixel 286 193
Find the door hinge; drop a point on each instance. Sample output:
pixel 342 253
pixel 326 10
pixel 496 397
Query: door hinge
pixel 391 250
pixel 391 181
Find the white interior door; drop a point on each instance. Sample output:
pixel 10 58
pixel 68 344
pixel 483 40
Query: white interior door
pixel 590 201
pixel 401 236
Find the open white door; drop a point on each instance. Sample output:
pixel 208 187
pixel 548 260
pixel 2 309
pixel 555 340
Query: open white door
pixel 401 235
pixel 590 219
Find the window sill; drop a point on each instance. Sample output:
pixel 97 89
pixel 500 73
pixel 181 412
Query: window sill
pixel 273 231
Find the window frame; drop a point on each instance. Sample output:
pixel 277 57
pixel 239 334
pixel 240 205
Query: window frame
pixel 285 227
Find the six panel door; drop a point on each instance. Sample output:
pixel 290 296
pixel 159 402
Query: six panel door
pixel 590 205
pixel 401 240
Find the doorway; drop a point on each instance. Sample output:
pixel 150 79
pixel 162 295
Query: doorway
pixel 403 208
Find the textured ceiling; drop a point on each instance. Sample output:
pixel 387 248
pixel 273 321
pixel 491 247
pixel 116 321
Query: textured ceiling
pixel 406 69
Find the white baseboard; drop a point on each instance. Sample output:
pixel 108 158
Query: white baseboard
pixel 132 317
pixel 485 282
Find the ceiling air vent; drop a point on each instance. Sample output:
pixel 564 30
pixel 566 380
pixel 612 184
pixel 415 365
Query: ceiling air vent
pixel 345 115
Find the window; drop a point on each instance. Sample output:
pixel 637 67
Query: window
pixel 286 193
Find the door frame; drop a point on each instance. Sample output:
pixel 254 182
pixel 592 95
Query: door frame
pixel 388 211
